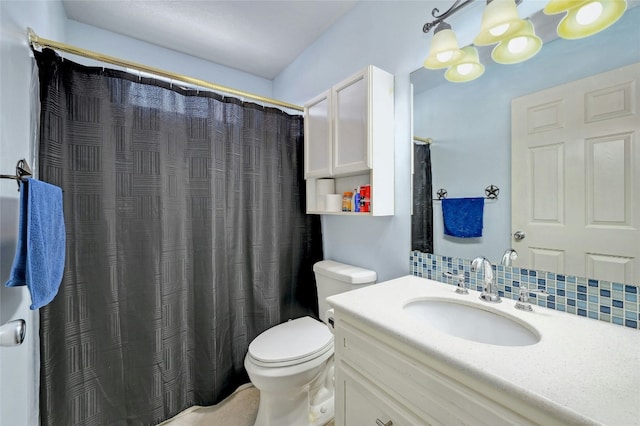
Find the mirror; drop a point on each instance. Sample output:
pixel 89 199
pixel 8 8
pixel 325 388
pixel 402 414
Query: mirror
pixel 470 123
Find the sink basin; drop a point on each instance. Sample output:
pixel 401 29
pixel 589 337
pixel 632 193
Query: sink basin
pixel 471 323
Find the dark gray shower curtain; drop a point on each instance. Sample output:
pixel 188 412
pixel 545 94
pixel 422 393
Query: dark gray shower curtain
pixel 422 220
pixel 186 238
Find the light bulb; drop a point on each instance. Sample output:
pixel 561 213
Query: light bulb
pixel 444 56
pixel 589 13
pixel 498 30
pixel 517 44
pixel 464 69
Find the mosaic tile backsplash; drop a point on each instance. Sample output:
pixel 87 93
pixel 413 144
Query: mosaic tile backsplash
pixel 602 300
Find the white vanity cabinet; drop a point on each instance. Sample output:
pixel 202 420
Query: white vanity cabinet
pixel 378 380
pixel 349 136
pixel 393 367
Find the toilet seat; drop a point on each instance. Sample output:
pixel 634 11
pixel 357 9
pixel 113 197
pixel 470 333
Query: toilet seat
pixel 291 343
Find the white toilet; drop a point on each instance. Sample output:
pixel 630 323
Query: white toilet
pixel 292 363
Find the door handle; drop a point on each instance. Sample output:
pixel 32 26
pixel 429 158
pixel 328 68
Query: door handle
pixel 519 235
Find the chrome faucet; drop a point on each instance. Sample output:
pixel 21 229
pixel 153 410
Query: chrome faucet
pixel 489 290
pixel 462 288
pixel 509 256
pixel 523 300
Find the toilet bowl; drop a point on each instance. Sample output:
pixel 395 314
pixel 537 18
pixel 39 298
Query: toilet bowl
pixel 293 382
pixel 291 364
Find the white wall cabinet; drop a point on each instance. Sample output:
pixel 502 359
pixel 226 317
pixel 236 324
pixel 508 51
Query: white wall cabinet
pixel 349 136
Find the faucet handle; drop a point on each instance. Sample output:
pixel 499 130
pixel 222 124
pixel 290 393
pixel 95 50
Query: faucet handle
pixel 523 300
pixel 462 288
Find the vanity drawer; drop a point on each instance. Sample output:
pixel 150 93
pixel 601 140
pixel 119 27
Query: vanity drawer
pixel 423 390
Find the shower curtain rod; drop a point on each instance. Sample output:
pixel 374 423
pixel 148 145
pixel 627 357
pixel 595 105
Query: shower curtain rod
pixel 423 140
pixel 37 42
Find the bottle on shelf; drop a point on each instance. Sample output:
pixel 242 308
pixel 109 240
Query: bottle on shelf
pixel 365 198
pixel 346 201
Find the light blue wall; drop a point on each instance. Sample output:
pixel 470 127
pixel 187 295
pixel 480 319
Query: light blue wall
pixel 470 124
pixel 19 365
pixel 389 36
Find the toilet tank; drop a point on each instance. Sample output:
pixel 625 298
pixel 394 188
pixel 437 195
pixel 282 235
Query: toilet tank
pixel 334 277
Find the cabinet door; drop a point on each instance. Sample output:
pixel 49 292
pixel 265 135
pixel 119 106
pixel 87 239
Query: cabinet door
pixel 366 404
pixel 351 136
pixel 317 137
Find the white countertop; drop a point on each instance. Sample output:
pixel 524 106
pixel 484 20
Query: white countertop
pixel 586 370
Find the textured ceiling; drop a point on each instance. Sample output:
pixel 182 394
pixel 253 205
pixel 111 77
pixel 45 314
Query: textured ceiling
pixel 258 37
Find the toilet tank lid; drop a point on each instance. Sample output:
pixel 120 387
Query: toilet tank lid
pixel 345 273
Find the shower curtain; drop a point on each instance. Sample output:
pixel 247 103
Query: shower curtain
pixel 422 221
pixel 186 238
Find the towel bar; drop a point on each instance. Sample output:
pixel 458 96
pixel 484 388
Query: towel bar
pixel 491 193
pixel 22 170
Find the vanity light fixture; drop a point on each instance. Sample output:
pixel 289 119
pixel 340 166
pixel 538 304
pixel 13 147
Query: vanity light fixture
pixel 520 47
pixel 466 69
pixel 585 17
pixel 516 37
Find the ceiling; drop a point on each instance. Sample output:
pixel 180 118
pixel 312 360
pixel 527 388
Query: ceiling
pixel 260 37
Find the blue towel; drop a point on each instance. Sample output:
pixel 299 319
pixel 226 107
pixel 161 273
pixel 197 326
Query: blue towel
pixel 463 217
pixel 40 253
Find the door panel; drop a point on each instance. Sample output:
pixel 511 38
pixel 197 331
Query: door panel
pixel 575 177
pixel 609 181
pixel 547 191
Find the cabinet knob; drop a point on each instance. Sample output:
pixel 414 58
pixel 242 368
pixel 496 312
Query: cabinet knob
pixel 381 423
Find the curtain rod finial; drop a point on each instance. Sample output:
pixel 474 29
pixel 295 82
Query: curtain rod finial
pixel 33 37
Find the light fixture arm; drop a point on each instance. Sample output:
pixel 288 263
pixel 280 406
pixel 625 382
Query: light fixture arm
pixel 457 5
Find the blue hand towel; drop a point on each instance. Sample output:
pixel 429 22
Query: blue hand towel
pixel 463 217
pixel 40 253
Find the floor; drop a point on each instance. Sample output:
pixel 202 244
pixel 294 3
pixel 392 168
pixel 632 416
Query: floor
pixel 239 409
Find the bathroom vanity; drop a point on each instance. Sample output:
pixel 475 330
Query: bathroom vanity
pixel 396 368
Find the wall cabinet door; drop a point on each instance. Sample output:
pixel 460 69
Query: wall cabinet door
pixel 318 150
pixel 350 132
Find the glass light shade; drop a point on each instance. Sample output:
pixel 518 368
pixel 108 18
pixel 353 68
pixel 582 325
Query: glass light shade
pixel 500 21
pixel 444 50
pixel 522 46
pixel 584 20
pixel 559 6
pixel 466 69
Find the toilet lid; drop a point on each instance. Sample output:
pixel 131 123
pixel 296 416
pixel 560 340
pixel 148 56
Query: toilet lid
pixel 290 341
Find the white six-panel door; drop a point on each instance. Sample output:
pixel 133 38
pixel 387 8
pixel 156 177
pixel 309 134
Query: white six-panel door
pixel 575 175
